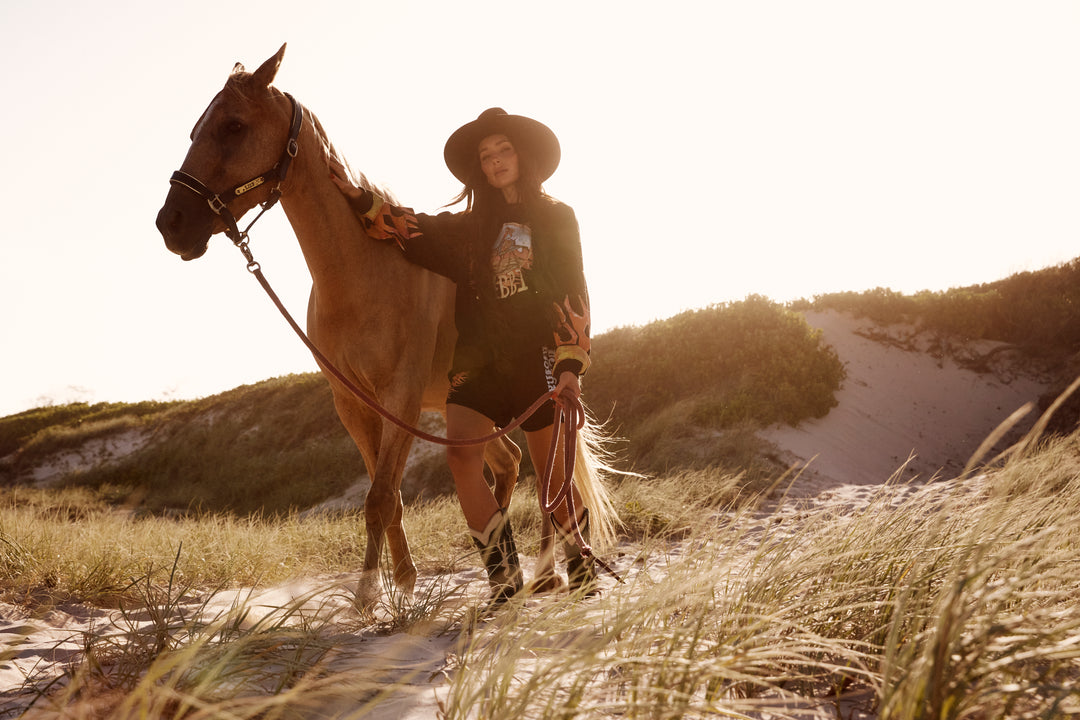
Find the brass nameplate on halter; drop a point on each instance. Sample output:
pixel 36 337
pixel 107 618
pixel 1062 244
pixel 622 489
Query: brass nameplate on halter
pixel 250 186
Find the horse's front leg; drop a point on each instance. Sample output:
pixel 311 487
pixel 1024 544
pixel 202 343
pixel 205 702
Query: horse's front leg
pixel 383 512
pixel 365 428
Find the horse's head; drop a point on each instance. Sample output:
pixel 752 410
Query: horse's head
pixel 242 133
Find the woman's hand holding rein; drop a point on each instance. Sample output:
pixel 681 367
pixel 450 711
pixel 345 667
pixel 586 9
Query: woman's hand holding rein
pixel 569 388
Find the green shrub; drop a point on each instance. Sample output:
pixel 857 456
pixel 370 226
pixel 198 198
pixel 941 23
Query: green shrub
pixel 1037 311
pixel 265 448
pixel 749 361
pixel 71 424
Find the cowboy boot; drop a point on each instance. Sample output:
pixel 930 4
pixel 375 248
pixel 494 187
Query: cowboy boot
pixel 580 569
pixel 497 550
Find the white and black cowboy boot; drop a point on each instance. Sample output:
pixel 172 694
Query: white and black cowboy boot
pixel 497 550
pixel 580 569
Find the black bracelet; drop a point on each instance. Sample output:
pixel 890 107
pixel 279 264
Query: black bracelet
pixel 362 204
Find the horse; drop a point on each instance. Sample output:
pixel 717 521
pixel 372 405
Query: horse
pixel 385 324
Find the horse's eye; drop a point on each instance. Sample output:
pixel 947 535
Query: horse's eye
pixel 234 127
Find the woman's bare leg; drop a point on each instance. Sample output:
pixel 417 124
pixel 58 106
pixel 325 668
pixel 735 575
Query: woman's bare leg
pixel 488 524
pixel 467 465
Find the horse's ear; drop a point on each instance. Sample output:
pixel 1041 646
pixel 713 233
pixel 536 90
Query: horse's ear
pixel 238 68
pixel 266 72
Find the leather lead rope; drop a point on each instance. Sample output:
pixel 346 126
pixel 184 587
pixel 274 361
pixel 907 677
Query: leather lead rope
pixel 367 398
pixel 571 415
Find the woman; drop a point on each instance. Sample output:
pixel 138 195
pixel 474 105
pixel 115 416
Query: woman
pixel 521 310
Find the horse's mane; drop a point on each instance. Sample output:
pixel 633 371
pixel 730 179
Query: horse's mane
pixel 358 178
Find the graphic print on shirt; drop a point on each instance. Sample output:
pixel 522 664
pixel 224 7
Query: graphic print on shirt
pixel 549 368
pixel 510 257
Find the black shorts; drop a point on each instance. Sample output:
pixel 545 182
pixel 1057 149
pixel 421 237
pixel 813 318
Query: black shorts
pixel 504 393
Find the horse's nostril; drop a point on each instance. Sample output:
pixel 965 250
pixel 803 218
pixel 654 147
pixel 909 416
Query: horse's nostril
pixel 168 221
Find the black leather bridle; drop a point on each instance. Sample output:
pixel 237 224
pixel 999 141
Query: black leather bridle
pixel 220 207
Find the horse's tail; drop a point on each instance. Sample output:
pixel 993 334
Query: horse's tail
pixel 592 469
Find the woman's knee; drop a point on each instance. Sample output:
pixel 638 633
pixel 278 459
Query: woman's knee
pixel 469 458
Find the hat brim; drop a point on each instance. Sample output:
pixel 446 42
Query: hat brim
pixel 530 136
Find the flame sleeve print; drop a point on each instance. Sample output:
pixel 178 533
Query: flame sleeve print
pixel 432 247
pixel 384 221
pixel 572 342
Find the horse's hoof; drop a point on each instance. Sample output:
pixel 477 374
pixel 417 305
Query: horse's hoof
pixel 406 580
pixel 368 592
pixel 545 584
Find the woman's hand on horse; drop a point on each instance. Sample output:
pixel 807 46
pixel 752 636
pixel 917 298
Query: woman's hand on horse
pixel 340 176
pixel 359 198
pixel 338 173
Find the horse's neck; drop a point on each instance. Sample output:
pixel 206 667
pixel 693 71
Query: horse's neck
pixel 331 238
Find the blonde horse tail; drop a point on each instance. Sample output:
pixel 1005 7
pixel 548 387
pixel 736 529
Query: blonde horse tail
pixel 592 470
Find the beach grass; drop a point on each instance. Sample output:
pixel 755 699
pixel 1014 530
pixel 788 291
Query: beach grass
pixel 950 600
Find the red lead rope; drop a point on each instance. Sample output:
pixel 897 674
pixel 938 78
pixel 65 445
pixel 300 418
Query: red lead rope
pixel 572 415
pixel 568 407
pixel 254 269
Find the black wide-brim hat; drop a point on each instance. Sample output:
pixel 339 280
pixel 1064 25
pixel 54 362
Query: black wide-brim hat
pixel 533 138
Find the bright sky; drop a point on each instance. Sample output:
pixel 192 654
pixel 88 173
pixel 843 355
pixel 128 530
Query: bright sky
pixel 711 150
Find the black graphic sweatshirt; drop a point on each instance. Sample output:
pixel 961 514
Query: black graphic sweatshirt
pixel 531 295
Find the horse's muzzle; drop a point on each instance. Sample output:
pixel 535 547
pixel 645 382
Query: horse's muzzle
pixel 185 226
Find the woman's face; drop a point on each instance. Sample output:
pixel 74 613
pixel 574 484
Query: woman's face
pixel 499 161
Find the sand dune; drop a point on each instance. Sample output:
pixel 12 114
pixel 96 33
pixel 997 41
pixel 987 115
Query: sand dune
pixel 901 409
